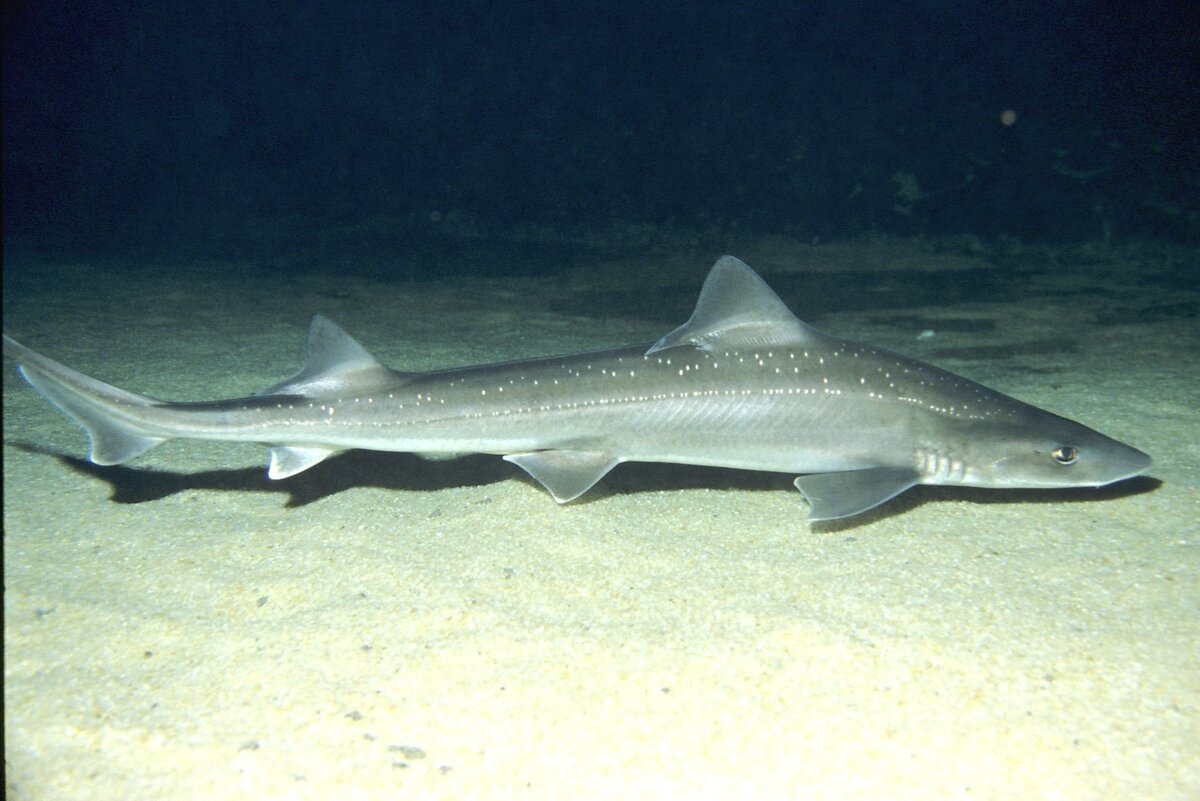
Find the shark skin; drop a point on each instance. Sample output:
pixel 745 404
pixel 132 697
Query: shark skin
pixel 742 384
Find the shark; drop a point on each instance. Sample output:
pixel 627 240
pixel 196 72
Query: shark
pixel 742 384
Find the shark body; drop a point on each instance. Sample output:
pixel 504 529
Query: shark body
pixel 742 384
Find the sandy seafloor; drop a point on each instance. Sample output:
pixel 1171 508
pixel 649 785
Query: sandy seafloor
pixel 385 627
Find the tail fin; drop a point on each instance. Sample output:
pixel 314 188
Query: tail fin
pixel 106 412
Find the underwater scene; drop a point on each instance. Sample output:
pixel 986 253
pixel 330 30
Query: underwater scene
pixel 696 400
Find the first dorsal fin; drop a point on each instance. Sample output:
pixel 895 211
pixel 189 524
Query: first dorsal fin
pixel 736 309
pixel 334 363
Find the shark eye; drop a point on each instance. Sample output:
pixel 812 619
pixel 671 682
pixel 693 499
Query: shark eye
pixel 1065 454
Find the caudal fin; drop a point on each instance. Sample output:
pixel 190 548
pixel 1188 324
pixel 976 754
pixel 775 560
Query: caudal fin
pixel 106 412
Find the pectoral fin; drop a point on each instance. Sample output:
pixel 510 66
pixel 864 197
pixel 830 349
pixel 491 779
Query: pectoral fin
pixel 566 474
pixel 835 495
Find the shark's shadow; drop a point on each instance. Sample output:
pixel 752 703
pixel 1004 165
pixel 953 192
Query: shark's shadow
pixel 396 471
pixel 411 473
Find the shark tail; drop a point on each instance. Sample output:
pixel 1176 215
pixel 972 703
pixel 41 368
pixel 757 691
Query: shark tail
pixel 106 412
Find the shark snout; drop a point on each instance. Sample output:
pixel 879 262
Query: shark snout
pixel 1094 460
pixel 1071 456
pixel 1122 461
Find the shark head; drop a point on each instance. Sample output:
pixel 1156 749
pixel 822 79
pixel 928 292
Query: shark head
pixel 1050 451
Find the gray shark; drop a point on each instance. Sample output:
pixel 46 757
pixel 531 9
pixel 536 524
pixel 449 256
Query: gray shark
pixel 742 384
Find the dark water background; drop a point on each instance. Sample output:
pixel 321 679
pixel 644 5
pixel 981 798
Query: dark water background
pixel 419 137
